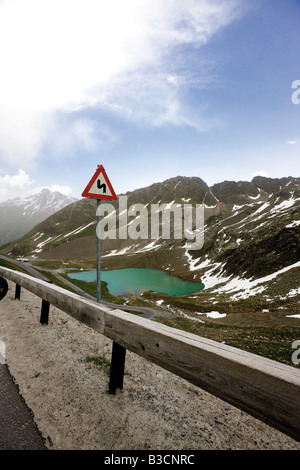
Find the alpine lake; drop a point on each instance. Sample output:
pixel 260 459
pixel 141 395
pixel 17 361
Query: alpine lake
pixel 138 280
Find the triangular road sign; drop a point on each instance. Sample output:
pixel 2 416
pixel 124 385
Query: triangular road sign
pixel 100 187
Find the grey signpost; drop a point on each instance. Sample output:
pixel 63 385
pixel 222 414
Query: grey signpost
pixel 100 188
pixel 98 254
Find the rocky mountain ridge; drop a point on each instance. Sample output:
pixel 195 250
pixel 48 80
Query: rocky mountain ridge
pixel 251 229
pixel 19 215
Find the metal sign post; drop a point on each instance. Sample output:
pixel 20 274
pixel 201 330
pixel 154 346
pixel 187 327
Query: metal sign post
pixel 99 188
pixel 98 254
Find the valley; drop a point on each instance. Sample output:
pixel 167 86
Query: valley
pixel 249 262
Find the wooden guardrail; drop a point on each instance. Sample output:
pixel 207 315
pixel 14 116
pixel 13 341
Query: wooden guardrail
pixel 266 389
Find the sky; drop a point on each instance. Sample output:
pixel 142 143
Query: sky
pixel 150 89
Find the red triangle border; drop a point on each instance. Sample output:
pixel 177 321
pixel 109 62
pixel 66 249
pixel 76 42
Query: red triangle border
pixel 86 192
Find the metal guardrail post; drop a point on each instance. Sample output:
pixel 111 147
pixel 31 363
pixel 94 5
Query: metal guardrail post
pixel 44 313
pixel 117 368
pixel 3 287
pixel 18 292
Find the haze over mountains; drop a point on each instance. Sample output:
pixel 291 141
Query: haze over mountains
pixel 19 215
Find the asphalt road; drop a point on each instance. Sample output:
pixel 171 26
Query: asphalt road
pixel 26 266
pixel 18 430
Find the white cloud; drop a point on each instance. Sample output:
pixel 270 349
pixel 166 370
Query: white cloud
pixel 21 185
pixel 67 55
pixel 290 142
pixel 66 190
pixel 15 185
pixel 16 182
pixel 78 133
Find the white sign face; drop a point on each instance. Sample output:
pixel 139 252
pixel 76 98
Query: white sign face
pixel 100 187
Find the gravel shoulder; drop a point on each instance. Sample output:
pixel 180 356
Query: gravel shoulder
pixel 71 406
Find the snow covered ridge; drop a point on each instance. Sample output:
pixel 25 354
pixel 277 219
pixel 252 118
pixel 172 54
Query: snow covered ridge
pixel 45 200
pixel 18 216
pixel 239 219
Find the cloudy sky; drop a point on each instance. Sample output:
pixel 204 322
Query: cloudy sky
pixel 150 89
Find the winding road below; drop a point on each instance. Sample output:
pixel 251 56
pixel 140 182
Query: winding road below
pixel 147 312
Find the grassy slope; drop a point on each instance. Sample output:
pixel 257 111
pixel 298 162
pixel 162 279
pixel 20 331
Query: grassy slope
pixel 274 342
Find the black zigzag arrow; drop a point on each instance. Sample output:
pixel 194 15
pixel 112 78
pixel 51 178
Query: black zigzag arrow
pixel 103 185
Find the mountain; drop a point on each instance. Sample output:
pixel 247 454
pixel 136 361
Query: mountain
pixel 20 215
pixel 251 235
pixel 173 189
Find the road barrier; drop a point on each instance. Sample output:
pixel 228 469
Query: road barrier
pixel 266 389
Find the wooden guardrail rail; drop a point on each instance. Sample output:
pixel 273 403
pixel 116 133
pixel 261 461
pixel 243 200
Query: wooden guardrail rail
pixel 266 389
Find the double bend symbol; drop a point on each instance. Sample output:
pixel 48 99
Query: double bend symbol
pixel 103 185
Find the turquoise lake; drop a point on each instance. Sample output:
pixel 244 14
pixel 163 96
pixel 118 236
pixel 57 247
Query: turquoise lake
pixel 138 280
